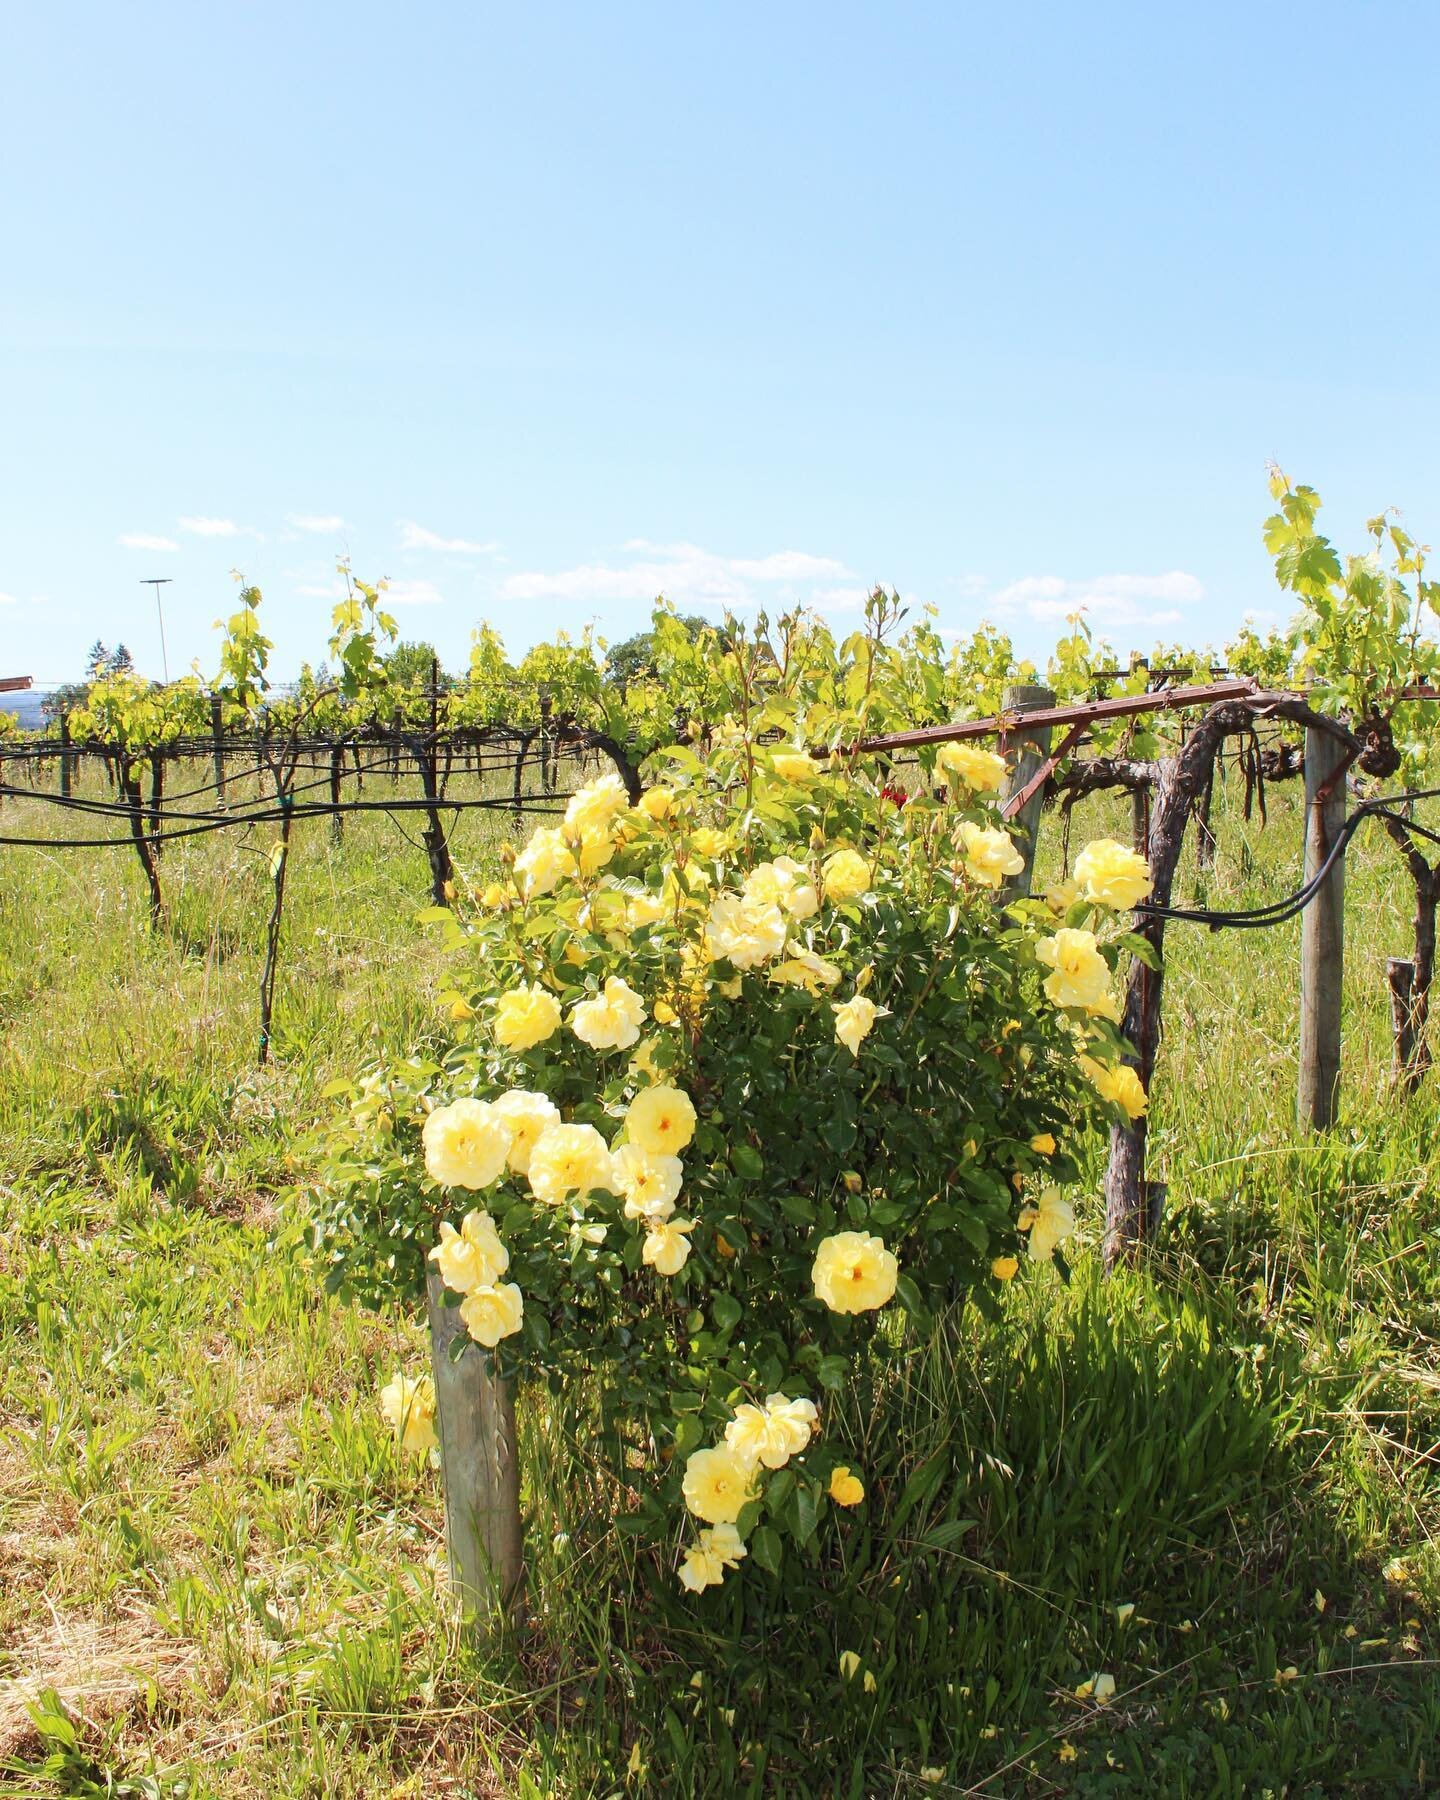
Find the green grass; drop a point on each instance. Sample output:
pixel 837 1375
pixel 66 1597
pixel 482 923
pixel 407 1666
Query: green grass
pixel 214 1560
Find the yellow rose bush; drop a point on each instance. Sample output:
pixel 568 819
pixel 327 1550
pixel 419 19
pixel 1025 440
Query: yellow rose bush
pixel 747 1081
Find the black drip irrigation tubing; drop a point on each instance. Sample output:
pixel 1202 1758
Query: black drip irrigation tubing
pixel 1256 918
pixel 313 809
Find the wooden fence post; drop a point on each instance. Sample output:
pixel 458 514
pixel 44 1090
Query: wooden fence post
pixel 1034 746
pixel 1400 979
pixel 65 764
pixel 1322 931
pixel 480 1456
pixel 217 738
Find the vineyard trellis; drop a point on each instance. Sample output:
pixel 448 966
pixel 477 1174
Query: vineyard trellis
pixel 1352 679
pixel 1342 700
pixel 1175 789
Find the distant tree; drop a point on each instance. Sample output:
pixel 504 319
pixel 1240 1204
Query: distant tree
pixel 410 666
pixel 634 657
pixel 100 661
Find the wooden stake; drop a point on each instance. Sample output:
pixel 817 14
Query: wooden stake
pixel 1034 745
pixel 217 741
pixel 1400 978
pixel 1322 932
pixel 475 1412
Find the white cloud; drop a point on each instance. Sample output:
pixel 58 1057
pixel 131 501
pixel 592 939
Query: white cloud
pixel 839 599
pixel 201 527
pixel 323 590
pixel 416 537
pixel 412 593
pixel 322 523
pixel 684 573
pixel 1106 599
pixel 146 540
pixel 9 599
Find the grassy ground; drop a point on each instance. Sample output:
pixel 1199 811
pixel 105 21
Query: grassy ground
pixel 218 1578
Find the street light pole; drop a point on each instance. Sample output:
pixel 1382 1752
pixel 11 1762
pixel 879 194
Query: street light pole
pixel 157 582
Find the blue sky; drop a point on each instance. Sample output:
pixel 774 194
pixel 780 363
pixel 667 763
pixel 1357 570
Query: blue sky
pixel 538 310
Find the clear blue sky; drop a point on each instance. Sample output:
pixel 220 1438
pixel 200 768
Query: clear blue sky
pixel 538 309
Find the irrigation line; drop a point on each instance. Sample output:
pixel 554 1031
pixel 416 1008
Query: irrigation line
pixel 1277 912
pixel 309 810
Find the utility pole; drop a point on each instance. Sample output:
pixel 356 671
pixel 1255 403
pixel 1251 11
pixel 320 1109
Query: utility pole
pixel 157 582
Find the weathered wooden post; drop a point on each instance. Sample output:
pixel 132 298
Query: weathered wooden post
pixel 1034 747
pixel 1400 979
pixel 217 740
pixel 65 764
pixel 1322 930
pixel 480 1456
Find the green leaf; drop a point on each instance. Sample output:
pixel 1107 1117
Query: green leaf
pixel 908 1295
pixel 807 1511
pixel 766 1548
pixel 726 1311
pixel 747 1162
pixel 1141 948
pixel 947 1532
pixel 921 1485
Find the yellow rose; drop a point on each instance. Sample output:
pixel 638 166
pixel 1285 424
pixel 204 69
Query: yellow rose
pixel 647 909
pixel 492 1313
pixel 1080 974
pixel 790 766
pixel 980 770
pixel 1051 1220
pixel 1062 896
pixel 569 1159
pixel 990 854
pixel 466 1144
pixel 849 1665
pixel 461 1009
pixel 594 848
pixel 667 1246
pixel 784 883
pixel 612 1020
pixel 708 842
pixel 803 968
pixel 744 932
pixel 1005 1268
pixel 494 898
pixel 717 1549
pixel 650 1184
pixel 471 1257
pixel 544 862
pixel 527 1115
pixel 717 1484
pixel 1043 1143
pixel 847 875
pixel 853 1272
pixel 643 1061
pixel 773 1433
pixel 845 1489
pixel 594 808
pixel 660 1120
pixel 1120 1086
pixel 1111 875
pixel 526 1016
pixel 854 1019
pixel 656 803
pixel 409 1410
